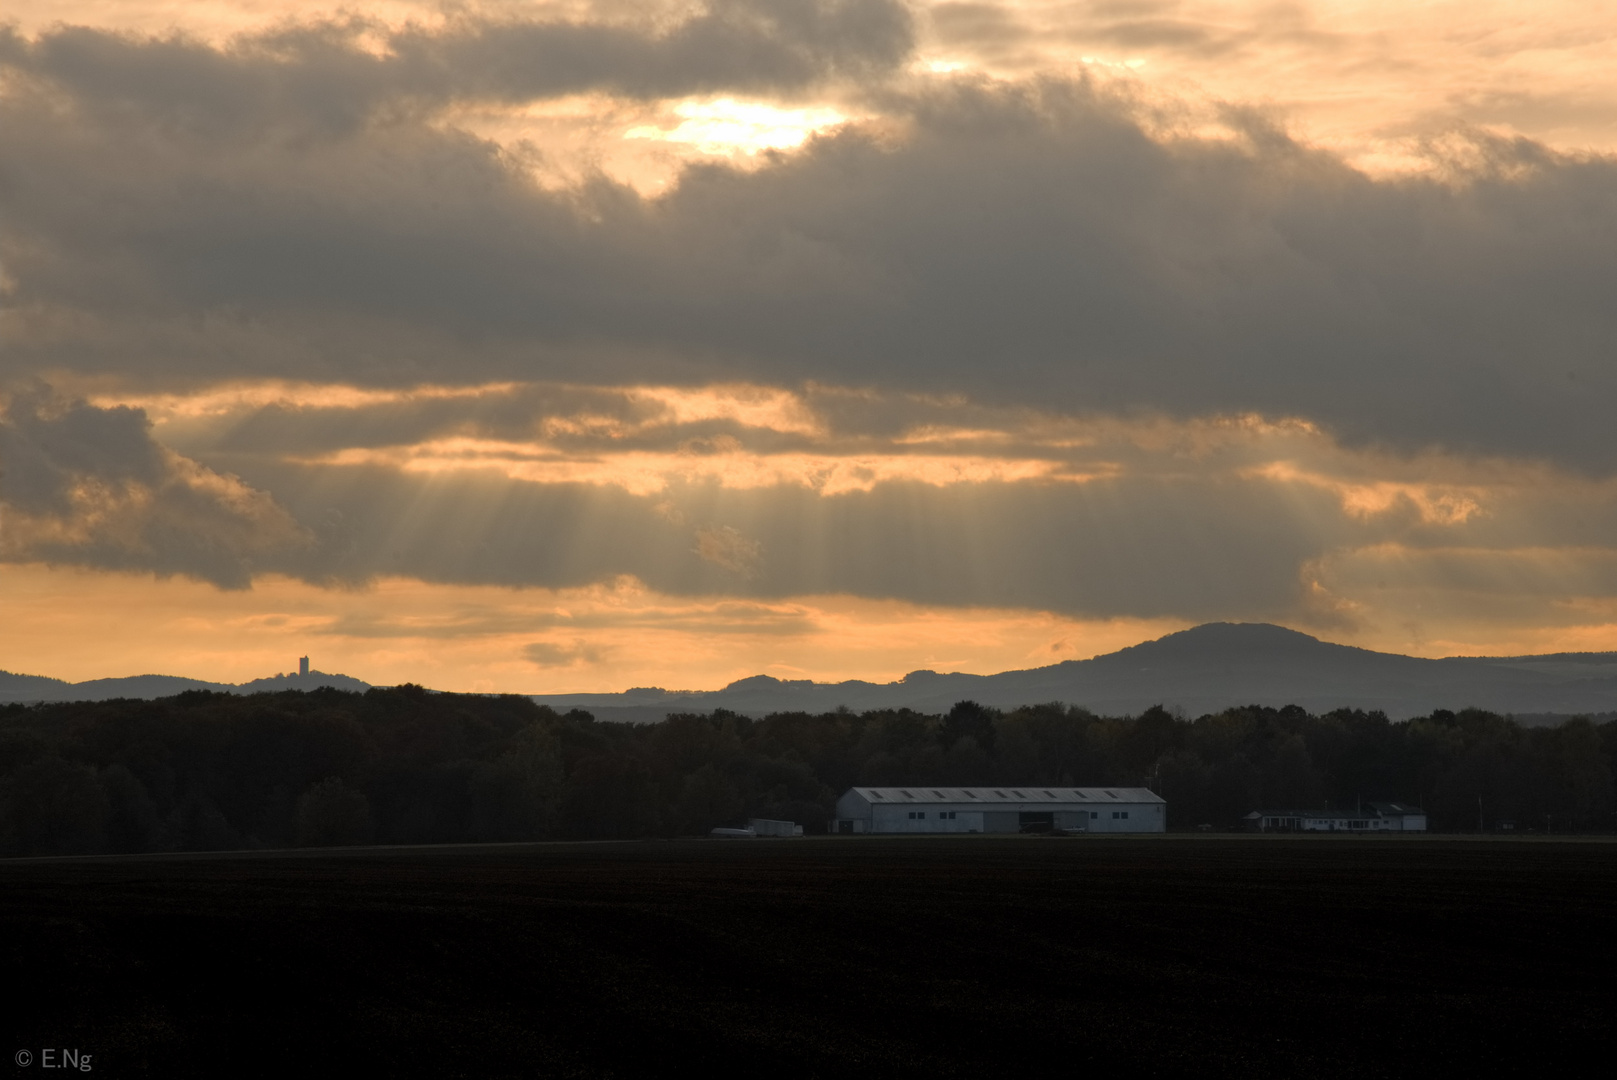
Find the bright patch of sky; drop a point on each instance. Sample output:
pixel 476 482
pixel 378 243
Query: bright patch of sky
pixel 726 127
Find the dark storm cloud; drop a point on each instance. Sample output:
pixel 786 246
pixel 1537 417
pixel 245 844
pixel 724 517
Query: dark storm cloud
pixel 85 486
pixel 1022 243
pixel 730 45
pixel 330 76
pixel 48 446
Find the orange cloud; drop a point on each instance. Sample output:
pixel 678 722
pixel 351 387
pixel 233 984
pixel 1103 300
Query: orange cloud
pixel 642 473
pixel 1436 504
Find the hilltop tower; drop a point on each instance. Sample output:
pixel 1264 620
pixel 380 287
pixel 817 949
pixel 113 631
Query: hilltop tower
pixel 303 665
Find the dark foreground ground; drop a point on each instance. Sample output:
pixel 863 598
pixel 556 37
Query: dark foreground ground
pixel 880 958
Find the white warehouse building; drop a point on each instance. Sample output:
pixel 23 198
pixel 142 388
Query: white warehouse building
pixel 923 809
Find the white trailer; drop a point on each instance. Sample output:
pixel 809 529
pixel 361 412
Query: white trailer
pixel 767 827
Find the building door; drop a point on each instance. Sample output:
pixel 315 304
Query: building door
pixel 1036 821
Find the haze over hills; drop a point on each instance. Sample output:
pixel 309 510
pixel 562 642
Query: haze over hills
pixel 1200 670
pixel 41 688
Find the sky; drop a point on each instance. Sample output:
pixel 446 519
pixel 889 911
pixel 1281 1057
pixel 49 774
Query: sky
pixel 579 346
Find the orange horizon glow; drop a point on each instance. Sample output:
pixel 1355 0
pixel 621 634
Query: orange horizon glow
pixel 598 639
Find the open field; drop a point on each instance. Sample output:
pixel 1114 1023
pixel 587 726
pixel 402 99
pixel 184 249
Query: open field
pixel 903 957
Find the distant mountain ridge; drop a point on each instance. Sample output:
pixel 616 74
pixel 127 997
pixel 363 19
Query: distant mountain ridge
pixel 30 688
pixel 1204 669
pixel 1201 670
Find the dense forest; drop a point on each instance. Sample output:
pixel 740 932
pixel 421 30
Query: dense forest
pixel 208 771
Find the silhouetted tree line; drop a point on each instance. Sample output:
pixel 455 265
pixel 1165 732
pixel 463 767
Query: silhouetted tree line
pixel 205 771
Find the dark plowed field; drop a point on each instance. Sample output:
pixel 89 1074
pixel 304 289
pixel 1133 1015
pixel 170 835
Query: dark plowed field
pixel 843 957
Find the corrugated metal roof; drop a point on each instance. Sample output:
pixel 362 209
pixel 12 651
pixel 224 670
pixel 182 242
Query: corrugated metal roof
pixel 1019 794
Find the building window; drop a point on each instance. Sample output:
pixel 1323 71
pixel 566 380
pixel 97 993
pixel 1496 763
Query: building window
pixel 1094 815
pixel 1119 815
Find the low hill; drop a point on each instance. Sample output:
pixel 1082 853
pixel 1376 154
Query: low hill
pixel 1200 670
pixel 31 688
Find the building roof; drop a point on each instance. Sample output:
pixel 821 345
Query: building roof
pixel 1019 794
pixel 1390 809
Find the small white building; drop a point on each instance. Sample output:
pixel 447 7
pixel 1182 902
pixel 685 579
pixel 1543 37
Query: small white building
pixel 923 809
pixel 1400 817
pixel 1374 817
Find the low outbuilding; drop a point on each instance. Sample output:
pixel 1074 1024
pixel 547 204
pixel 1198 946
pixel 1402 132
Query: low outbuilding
pixel 1400 817
pixel 1003 809
pixel 1373 817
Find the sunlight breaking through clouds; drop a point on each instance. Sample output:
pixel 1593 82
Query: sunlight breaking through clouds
pixel 998 329
pixel 710 469
pixel 726 127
